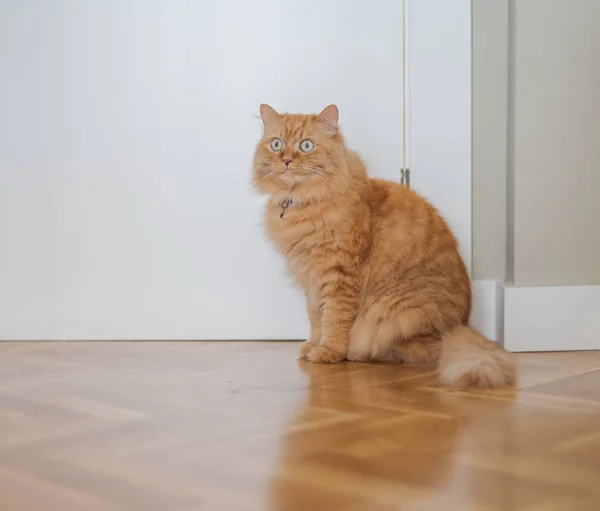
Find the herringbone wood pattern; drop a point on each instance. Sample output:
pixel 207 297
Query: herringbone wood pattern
pixel 246 426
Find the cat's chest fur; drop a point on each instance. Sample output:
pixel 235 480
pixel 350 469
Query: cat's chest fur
pixel 308 237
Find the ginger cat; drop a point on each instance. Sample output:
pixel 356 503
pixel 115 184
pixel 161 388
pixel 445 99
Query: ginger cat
pixel 379 266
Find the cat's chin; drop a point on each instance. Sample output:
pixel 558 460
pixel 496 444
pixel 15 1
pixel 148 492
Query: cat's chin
pixel 290 179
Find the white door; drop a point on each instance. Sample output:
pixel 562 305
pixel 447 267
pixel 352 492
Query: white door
pixel 127 129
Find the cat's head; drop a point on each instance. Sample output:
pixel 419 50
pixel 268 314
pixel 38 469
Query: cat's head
pixel 300 155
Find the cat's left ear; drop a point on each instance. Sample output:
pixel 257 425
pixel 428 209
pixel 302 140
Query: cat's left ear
pixel 269 116
pixel 330 116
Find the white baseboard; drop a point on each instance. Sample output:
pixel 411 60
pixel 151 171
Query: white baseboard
pixel 487 308
pixel 559 318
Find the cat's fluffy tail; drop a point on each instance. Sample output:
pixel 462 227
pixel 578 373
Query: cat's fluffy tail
pixel 468 359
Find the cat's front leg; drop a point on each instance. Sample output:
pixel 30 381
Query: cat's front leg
pixel 338 310
pixel 314 314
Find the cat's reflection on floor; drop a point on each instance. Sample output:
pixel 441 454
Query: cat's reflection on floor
pixel 367 440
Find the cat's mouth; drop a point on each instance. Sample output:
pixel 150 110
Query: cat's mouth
pixel 288 176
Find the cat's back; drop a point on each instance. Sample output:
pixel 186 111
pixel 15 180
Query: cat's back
pixel 396 203
pixel 413 244
pixel 405 226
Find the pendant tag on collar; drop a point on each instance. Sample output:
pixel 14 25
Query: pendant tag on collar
pixel 284 205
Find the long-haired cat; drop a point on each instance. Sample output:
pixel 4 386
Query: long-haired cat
pixel 379 266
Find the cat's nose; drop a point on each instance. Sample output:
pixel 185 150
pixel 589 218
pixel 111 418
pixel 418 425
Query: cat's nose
pixel 287 161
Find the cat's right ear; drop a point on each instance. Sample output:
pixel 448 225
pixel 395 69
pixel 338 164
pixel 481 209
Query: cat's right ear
pixel 269 116
pixel 330 117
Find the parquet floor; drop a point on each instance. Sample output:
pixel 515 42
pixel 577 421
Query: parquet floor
pixel 246 426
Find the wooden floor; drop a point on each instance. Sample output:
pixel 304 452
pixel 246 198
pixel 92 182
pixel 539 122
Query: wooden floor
pixel 246 426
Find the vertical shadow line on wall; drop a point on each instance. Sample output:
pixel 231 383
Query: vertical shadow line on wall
pixel 510 145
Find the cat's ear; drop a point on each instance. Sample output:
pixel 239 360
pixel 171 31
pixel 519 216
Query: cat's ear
pixel 330 116
pixel 269 116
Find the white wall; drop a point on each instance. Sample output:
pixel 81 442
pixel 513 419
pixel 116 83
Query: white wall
pixel 556 143
pixel 536 134
pixel 490 137
pixel 126 135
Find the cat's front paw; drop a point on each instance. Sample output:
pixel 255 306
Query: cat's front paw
pixel 324 355
pixel 358 356
pixel 306 348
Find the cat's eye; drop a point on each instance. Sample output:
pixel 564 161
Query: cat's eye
pixel 276 144
pixel 306 146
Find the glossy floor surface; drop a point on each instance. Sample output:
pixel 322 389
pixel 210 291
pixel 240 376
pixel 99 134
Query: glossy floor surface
pixel 246 426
